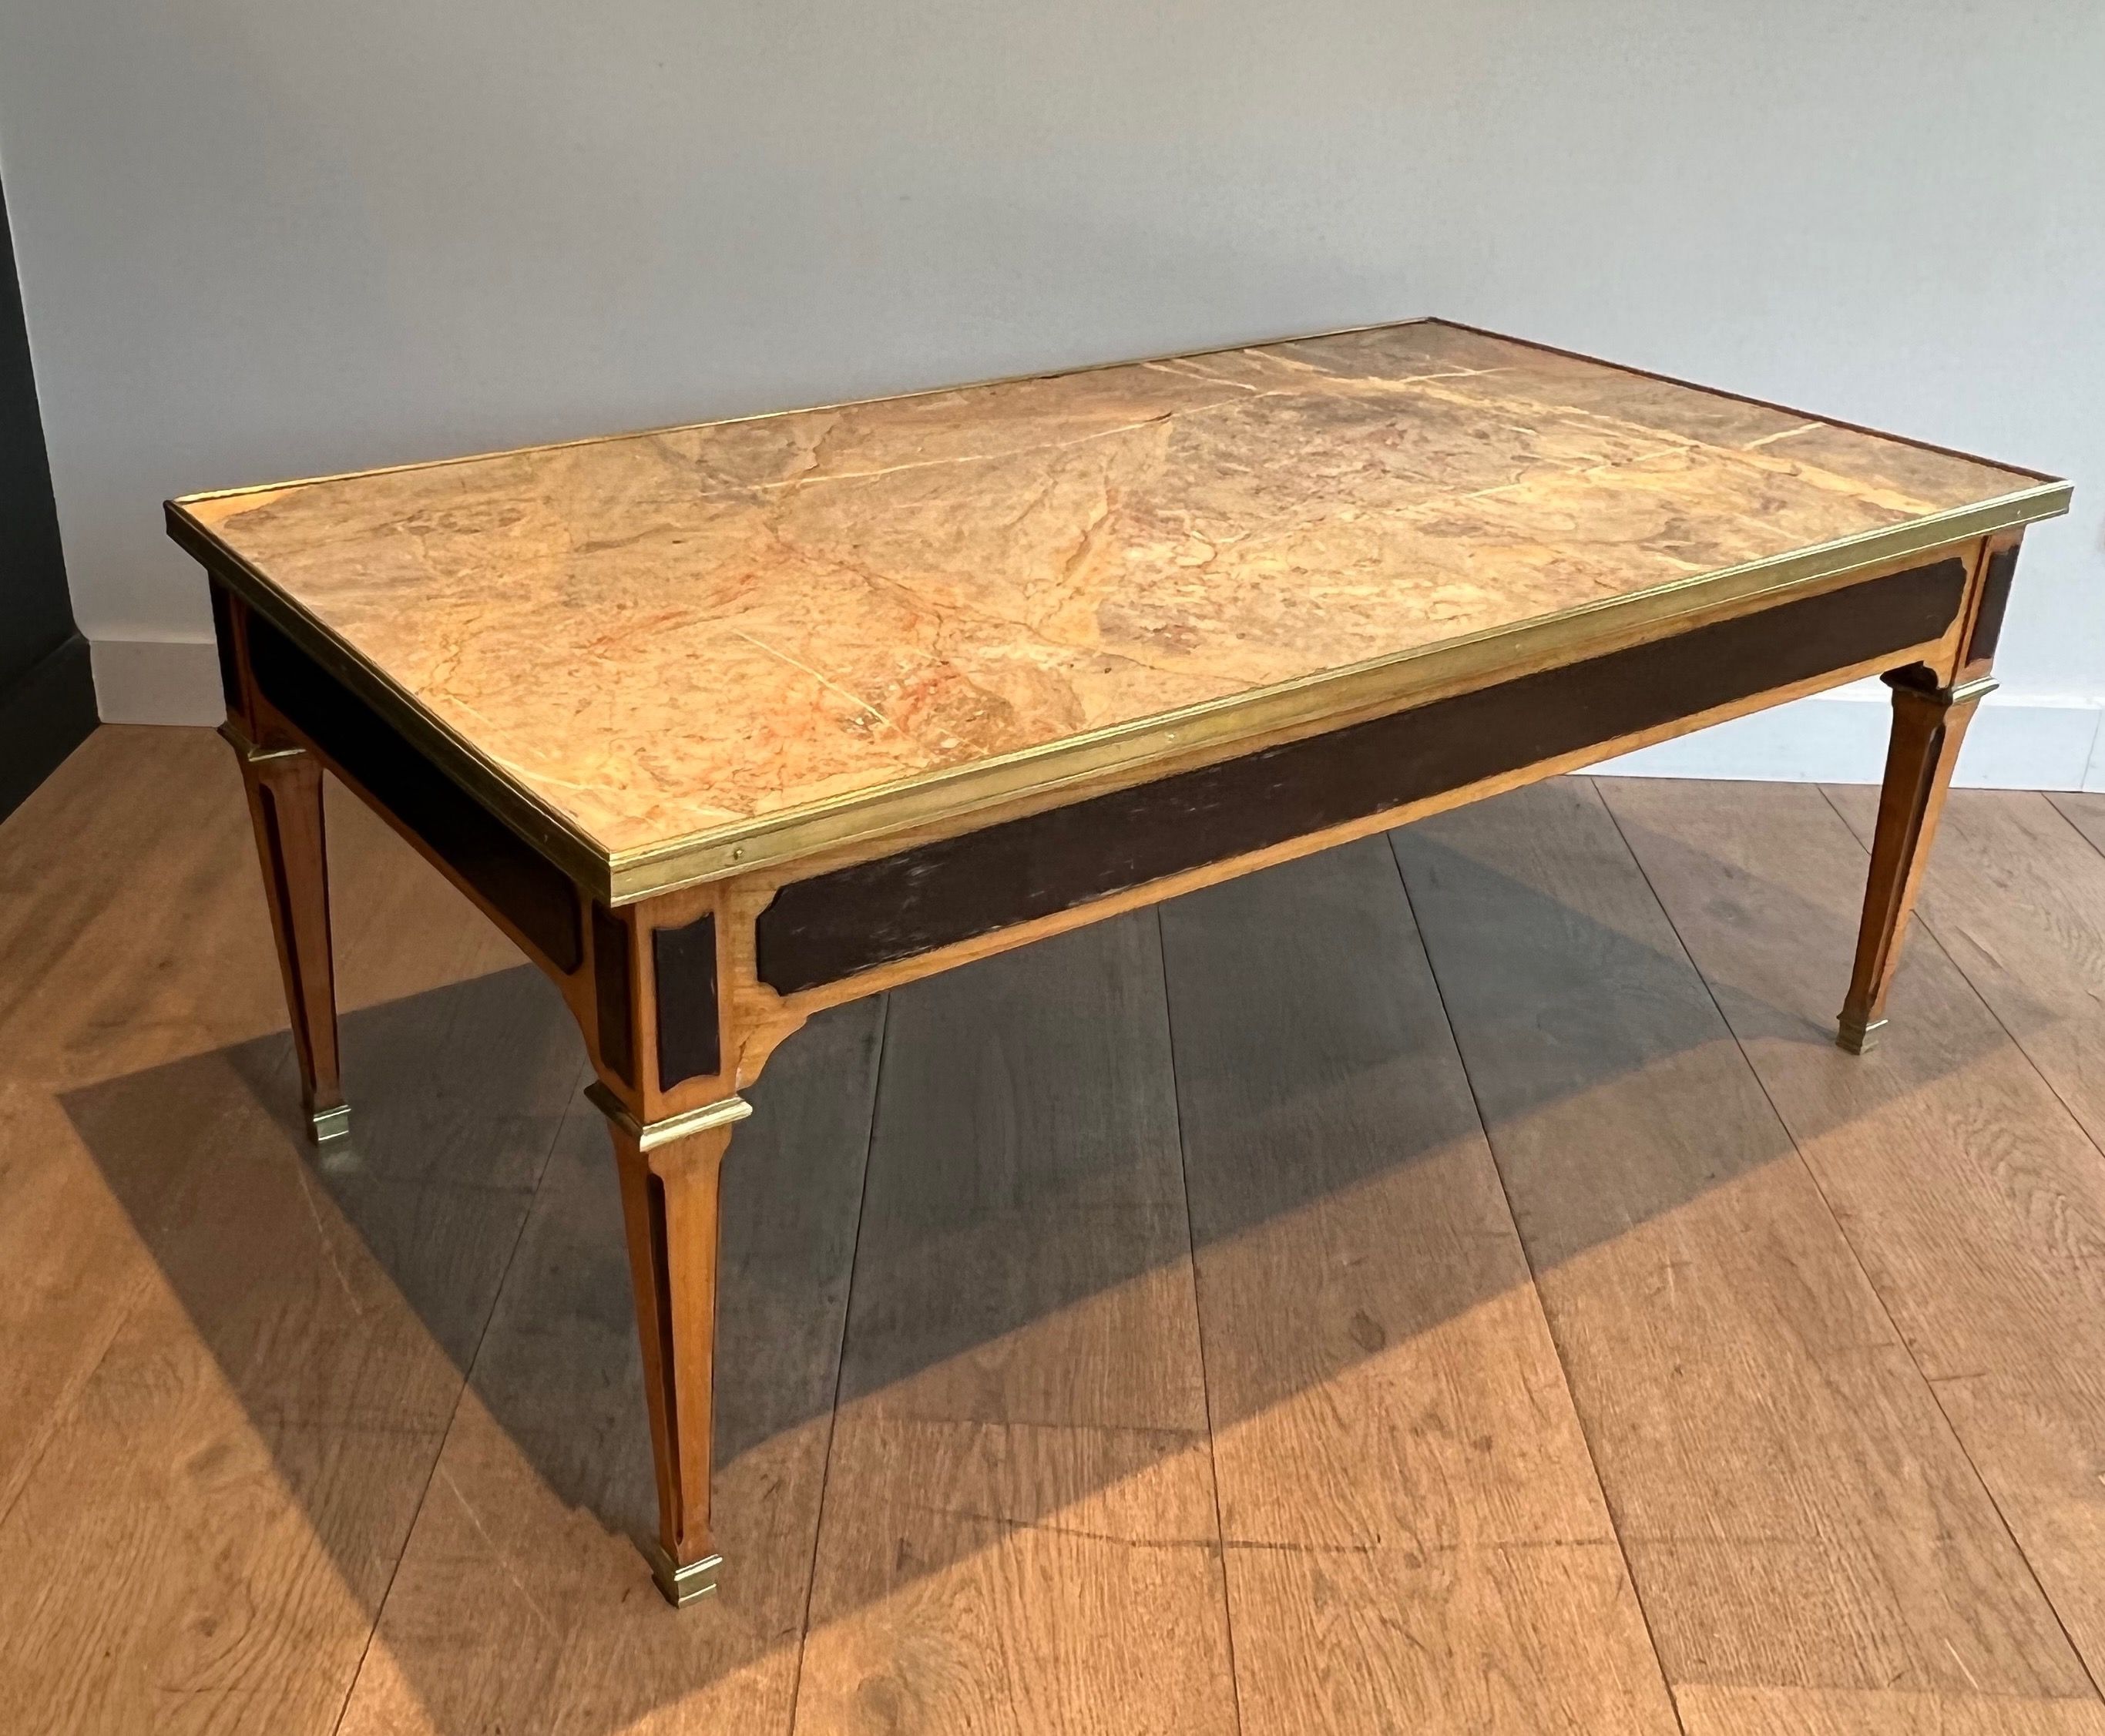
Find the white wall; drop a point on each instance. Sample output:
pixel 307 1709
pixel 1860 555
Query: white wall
pixel 261 238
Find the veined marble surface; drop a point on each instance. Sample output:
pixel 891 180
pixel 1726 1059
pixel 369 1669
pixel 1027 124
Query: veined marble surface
pixel 660 634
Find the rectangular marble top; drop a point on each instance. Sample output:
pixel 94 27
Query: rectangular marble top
pixel 696 634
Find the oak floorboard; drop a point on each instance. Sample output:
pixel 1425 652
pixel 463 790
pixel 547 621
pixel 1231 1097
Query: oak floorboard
pixel 131 934
pixel 1415 1537
pixel 1975 1200
pixel 1019 1530
pixel 2084 810
pixel 245 1459
pixel 1797 1513
pixel 204 1539
pixel 522 1603
pixel 1895 1711
pixel 2016 896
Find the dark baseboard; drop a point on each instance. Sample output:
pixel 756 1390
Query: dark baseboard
pixel 44 715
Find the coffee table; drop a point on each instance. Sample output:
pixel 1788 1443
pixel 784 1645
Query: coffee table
pixel 726 723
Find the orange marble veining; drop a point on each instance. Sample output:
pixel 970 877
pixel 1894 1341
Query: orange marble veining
pixel 664 633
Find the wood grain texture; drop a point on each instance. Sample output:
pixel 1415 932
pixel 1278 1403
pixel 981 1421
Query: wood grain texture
pixel 1415 1537
pixel 1795 1508
pixel 134 934
pixel 665 634
pixel 1019 1530
pixel 120 877
pixel 1891 1712
pixel 229 1371
pixel 2015 895
pixel 1974 1199
pixel 2084 810
pixel 204 1540
pixel 1929 729
pixel 521 1603
pixel 285 806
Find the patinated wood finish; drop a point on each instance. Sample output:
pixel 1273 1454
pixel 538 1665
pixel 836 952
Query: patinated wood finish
pixel 727 723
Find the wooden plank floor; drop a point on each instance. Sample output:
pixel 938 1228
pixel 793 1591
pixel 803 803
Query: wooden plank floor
pixel 1448 1284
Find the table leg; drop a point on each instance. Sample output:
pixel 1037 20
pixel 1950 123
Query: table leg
pixel 671 1178
pixel 284 787
pixel 1929 723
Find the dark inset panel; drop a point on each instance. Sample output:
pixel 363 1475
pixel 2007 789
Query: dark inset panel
pixel 222 638
pixel 612 986
pixel 1995 600
pixel 684 962
pixel 534 895
pixel 832 926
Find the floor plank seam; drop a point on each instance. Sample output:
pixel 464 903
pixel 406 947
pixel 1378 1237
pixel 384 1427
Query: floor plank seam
pixel 840 1364
pixel 2053 801
pixel 1549 1327
pixel 1933 1388
pixel 460 1398
pixel 1922 920
pixel 1198 1324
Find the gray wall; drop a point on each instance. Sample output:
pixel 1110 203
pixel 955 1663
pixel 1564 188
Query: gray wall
pixel 261 237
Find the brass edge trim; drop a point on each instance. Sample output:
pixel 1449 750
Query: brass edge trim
pixel 1386 682
pixel 623 877
pixel 648 1135
pixel 620 878
pixel 1742 397
pixel 576 852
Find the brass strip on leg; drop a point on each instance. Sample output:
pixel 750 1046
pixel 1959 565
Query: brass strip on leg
pixel 649 1136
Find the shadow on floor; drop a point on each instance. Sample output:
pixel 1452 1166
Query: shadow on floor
pixel 473 1158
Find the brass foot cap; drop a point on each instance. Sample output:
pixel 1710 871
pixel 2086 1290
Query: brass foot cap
pixel 682 1586
pixel 330 1123
pixel 1858 1037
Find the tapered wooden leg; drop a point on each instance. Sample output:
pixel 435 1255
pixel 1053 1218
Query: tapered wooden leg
pixel 285 802
pixel 670 1173
pixel 1929 722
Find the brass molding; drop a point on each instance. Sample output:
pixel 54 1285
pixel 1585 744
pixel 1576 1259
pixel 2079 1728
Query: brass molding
pixel 649 1136
pixel 1917 682
pixel 682 1585
pixel 251 754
